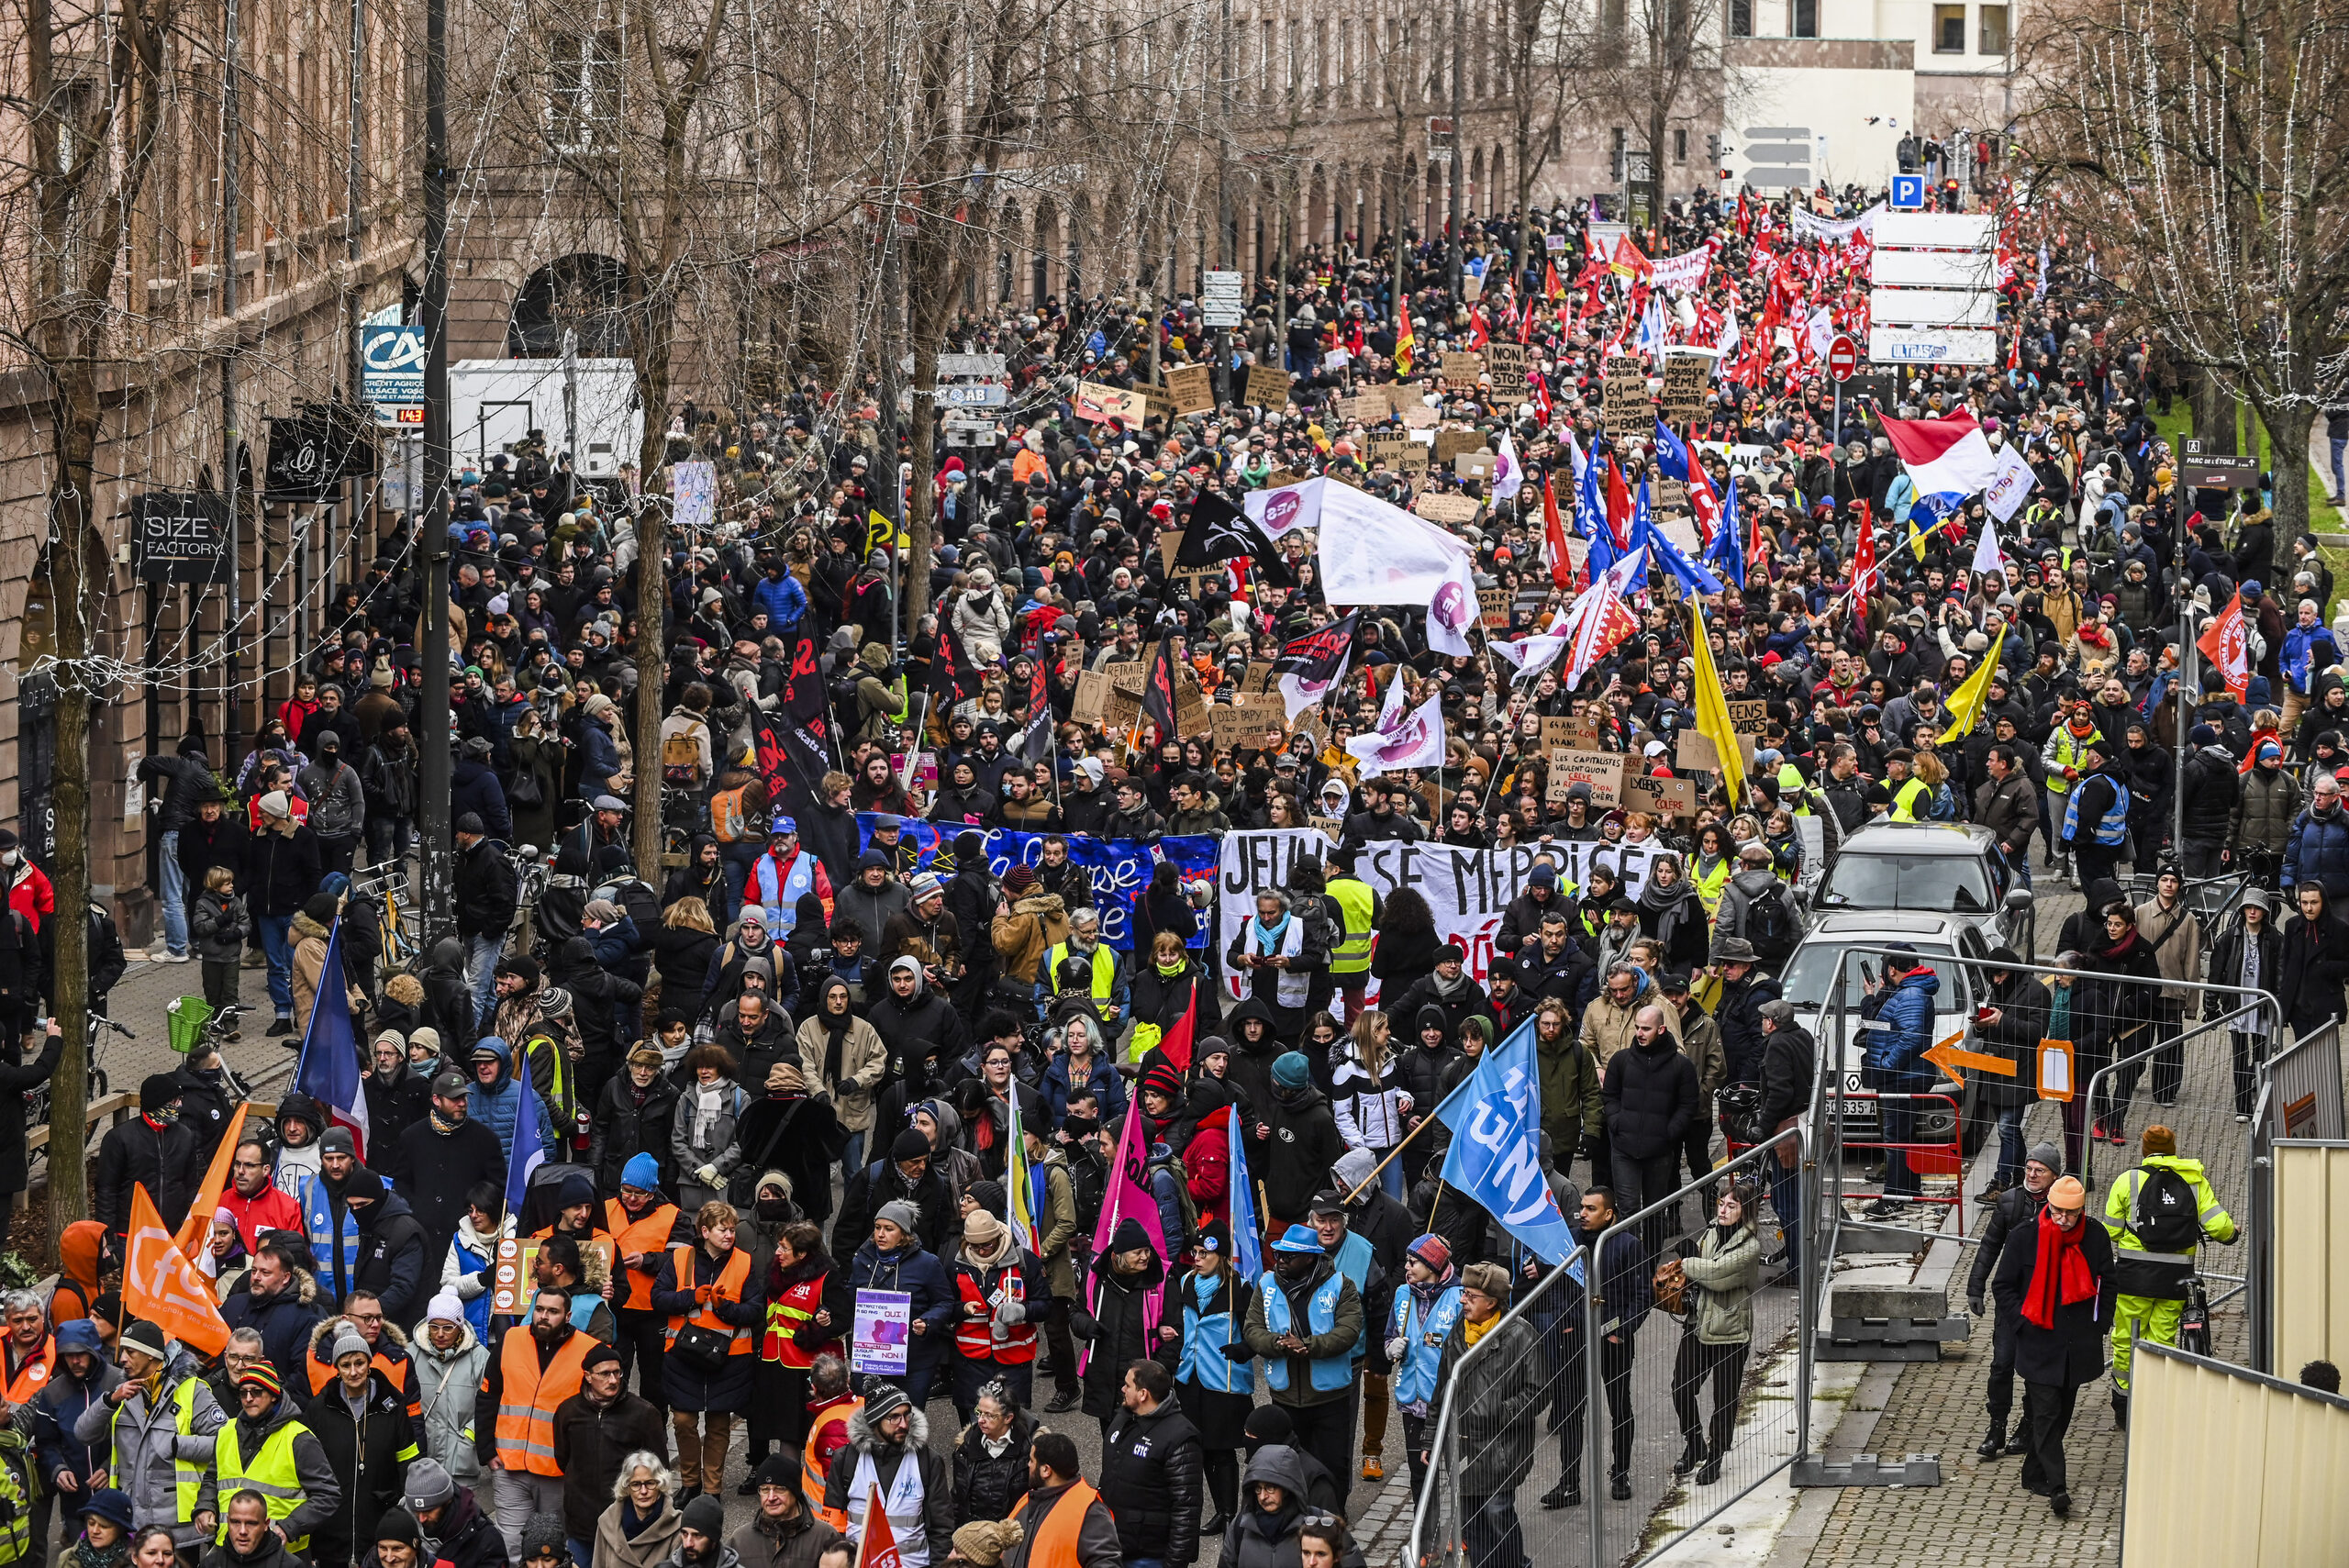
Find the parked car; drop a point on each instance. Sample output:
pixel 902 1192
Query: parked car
pixel 1950 868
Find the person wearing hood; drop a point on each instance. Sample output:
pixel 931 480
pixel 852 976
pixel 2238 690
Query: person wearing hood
pixel 1126 1302
pixel 892 1257
pixel 493 1098
pixel 563 905
pixel 362 1425
pixel 449 1360
pixel 1001 1294
pixel 784 1532
pixel 1383 1222
pixel 1307 1321
pixel 1027 923
pixel 268 1440
pixel 448 1006
pixel 1421 1069
pixel 1275 1513
pixel 80 1381
pixel 1901 1003
pixel 753 947
pixel 281 871
pixel 915 1024
pixel 888 1453
pixel 152 1150
pixel 1215 1116
pixel 1296 1139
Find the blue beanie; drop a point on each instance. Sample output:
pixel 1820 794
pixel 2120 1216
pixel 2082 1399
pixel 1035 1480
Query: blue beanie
pixel 1291 1071
pixel 642 1171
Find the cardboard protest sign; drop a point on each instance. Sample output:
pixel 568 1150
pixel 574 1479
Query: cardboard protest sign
pixel 1391 447
pixel 1369 408
pixel 1628 409
pixel 1688 379
pixel 1477 465
pixel 1446 508
pixel 1259 677
pixel 1158 402
pixel 1092 694
pixel 1506 363
pixel 1493 607
pixel 1747 716
pixel 1243 721
pixel 1665 797
pixel 1450 444
pixel 1192 388
pixel 1602 770
pixel 1267 385
pixel 1573 732
pixel 1096 404
pixel 1463 370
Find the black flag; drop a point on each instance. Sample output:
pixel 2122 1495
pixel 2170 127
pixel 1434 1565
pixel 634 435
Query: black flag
pixel 1158 688
pixel 1318 655
pixel 1220 531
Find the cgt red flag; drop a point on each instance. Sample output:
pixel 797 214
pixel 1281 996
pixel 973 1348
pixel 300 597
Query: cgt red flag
pixel 2227 645
pixel 877 1546
pixel 1553 528
pixel 1863 559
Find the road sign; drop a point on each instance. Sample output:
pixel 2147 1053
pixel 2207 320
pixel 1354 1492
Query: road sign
pixel 1843 357
pixel 1440 139
pixel 1908 192
pixel 1931 346
pixel 2209 472
pixel 390 363
pixel 1222 302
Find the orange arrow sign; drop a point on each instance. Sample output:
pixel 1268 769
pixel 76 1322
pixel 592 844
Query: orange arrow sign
pixel 1949 1058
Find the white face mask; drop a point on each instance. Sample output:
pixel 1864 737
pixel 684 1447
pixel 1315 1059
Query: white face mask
pixel 11 858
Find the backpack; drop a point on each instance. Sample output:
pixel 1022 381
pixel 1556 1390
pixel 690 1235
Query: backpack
pixel 1172 1168
pixel 2167 1217
pixel 1770 923
pixel 681 760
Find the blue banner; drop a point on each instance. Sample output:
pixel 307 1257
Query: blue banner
pixel 1496 1152
pixel 1121 867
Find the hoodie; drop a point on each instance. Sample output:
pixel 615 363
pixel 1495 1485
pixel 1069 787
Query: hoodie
pixel 496 1105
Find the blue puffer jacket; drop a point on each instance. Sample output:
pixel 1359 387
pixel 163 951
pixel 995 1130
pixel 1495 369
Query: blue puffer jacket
pixel 783 600
pixel 497 1104
pixel 2319 848
pixel 1908 1007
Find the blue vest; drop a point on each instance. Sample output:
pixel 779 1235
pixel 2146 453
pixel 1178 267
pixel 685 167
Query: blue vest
pixel 1353 1259
pixel 470 1263
pixel 318 1224
pixel 2113 827
pixel 1423 1337
pixel 1329 1372
pixel 1205 1334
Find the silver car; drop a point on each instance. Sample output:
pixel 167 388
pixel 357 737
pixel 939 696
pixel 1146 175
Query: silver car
pixel 1948 868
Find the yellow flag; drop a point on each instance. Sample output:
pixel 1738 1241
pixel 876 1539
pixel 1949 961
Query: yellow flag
pixel 1965 707
pixel 1712 710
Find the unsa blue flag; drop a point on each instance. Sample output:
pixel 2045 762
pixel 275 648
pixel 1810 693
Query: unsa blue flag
pixel 1496 1153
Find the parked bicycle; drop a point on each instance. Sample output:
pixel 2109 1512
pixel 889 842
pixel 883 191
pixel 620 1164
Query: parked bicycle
pixel 95 1079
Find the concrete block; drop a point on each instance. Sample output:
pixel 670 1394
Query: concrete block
pixel 1885 1300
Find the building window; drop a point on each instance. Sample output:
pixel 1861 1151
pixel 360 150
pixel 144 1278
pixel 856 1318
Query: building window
pixel 586 90
pixel 1680 144
pixel 1994 30
pixel 1741 18
pixel 1803 19
pixel 1949 30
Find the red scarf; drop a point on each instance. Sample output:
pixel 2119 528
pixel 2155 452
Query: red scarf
pixel 2061 1275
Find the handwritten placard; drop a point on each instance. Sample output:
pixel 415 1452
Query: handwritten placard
pixel 1463 370
pixel 1628 408
pixel 1267 386
pixel 1492 608
pixel 1192 388
pixel 1478 465
pixel 1098 404
pixel 1446 508
pixel 1665 797
pixel 1450 444
pixel 1602 770
pixel 1687 378
pixel 1748 714
pixel 1506 363
pixel 1578 731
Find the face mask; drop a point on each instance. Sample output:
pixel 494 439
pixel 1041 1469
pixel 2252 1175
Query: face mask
pixel 11 858
pixel 166 1116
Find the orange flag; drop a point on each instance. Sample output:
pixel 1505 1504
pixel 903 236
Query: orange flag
pixel 879 1547
pixel 196 1228
pixel 161 1284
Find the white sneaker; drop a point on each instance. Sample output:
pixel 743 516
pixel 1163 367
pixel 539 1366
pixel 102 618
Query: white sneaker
pixel 174 958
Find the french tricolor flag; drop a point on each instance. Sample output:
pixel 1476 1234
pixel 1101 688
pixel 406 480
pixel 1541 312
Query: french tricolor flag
pixel 1943 455
pixel 329 1071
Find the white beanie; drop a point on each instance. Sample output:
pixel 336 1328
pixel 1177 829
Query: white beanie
pixel 275 804
pixel 445 1308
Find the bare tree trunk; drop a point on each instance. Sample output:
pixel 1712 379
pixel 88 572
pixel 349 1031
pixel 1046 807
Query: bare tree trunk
pixel 650 524
pixel 2288 458
pixel 75 407
pixel 2214 411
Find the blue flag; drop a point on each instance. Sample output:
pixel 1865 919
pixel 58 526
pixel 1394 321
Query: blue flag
pixel 1727 552
pixel 1496 1153
pixel 328 1070
pixel 1676 560
pixel 1671 453
pixel 530 1149
pixel 1247 1246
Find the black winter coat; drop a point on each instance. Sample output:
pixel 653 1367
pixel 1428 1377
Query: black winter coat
pixel 1151 1469
pixel 590 1441
pixel 2208 789
pixel 393 1254
pixel 1115 1329
pixel 487 893
pixel 15 1079
pixel 369 1452
pixel 161 1159
pixel 441 1171
pixel 1294 1162
pixel 1739 1016
pixel 985 1487
pixel 729 1388
pixel 2017 1208
pixel 2022 1024
pixel 280 872
pixel 2072 1352
pixel 798 1136
pixel 939 1228
pixel 2311 964
pixel 1789 1062
pixel 1652 1099
pixel 623 1129
pixel 2226 957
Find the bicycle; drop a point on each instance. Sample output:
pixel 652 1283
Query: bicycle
pixel 386 886
pixel 94 1083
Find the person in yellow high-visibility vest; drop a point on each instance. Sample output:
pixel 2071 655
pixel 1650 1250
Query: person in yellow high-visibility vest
pixel 1910 795
pixel 268 1449
pixel 1361 909
pixel 2158 1215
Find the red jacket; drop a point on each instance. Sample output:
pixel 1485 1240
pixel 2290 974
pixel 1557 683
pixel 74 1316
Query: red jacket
pixel 30 894
pixel 272 1210
pixel 1207 1162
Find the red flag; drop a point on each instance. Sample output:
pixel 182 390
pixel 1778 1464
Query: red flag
pixel 1863 557
pixel 1176 1042
pixel 1550 288
pixel 1553 528
pixel 1477 336
pixel 877 1547
pixel 1619 506
pixel 2227 645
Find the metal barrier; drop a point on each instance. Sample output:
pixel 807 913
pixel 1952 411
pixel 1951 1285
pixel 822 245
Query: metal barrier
pixel 1943 1158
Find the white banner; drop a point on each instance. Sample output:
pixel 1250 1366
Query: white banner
pixel 2011 486
pixel 1685 272
pixel 1469 890
pixel 1374 553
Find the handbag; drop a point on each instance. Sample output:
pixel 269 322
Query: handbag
pixel 703 1348
pixel 1670 1287
pixel 742 1185
pixel 526 791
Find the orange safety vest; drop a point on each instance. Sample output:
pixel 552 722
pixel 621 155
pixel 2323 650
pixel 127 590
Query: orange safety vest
pixel 29 1379
pixel 826 1420
pixel 1055 1543
pixel 785 1314
pixel 528 1399
pixel 727 822
pixel 400 1374
pixel 975 1337
pixel 647 1235
pixel 730 1280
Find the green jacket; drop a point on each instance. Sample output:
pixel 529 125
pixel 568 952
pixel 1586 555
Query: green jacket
pixel 2120 1203
pixel 1570 1080
pixel 1724 1278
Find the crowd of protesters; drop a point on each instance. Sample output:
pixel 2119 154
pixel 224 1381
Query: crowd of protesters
pixel 783 1067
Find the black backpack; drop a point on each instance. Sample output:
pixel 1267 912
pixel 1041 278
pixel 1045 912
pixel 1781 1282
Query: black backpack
pixel 1770 923
pixel 2167 1217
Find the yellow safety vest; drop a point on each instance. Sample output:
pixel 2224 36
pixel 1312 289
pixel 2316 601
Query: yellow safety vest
pixel 270 1472
pixel 1792 790
pixel 1709 884
pixel 1356 900
pixel 2068 755
pixel 1911 798
pixel 187 1475
pixel 1105 969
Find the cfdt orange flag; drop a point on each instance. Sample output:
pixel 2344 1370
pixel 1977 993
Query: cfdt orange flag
pixel 161 1284
pixel 196 1228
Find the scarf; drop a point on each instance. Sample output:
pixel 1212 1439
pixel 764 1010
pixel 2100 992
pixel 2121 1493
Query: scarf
pixel 1268 936
pixel 708 1099
pixel 835 1039
pixel 2060 1276
pixel 443 1125
pixel 633 1524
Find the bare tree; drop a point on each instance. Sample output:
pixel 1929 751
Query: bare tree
pixel 2198 148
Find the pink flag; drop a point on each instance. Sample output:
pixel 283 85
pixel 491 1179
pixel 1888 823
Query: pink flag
pixel 1129 1198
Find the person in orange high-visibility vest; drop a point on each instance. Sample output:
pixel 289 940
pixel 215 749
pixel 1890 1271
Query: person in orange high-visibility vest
pixel 539 1365
pixel 831 1409
pixel 643 1225
pixel 1064 1522
pixel 30 1349
pixel 717 1307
